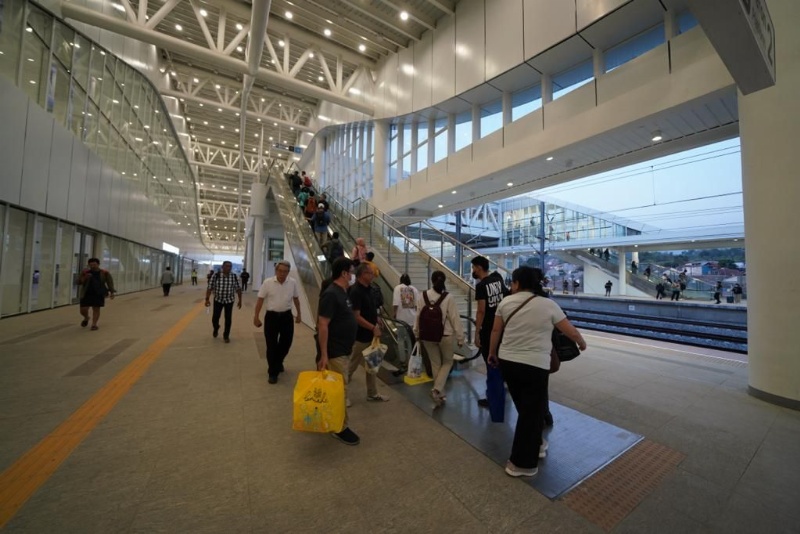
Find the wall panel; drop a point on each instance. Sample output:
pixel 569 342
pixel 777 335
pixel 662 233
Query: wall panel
pixel 36 163
pixel 77 181
pixel 546 23
pixel 60 166
pixel 423 61
pixel 405 80
pixel 13 116
pixel 443 75
pixel 504 49
pixel 93 169
pixel 470 45
pixel 104 200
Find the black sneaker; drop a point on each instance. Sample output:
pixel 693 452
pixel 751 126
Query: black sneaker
pixel 483 403
pixel 347 436
pixel 272 380
pixel 216 331
pixel 227 340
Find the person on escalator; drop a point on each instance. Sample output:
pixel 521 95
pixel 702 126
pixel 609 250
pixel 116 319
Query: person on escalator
pixel 359 252
pixel 489 291
pixel 333 248
pixel 311 207
pixel 369 261
pixel 320 222
pixel 297 183
pixel 307 180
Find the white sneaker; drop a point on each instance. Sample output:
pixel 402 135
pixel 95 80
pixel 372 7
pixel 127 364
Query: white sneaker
pixel 543 448
pixel 514 471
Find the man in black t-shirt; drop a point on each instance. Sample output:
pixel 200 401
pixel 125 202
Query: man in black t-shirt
pixel 489 291
pixel 366 314
pixel 336 330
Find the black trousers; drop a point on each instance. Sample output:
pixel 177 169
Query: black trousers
pixel 166 289
pixel 244 285
pixel 218 307
pixel 528 388
pixel 194 280
pixel 279 333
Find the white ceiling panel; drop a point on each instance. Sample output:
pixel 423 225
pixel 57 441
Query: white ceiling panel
pixel 521 76
pixel 631 19
pixel 565 54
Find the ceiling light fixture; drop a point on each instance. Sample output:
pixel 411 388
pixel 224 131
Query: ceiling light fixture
pixel 239 27
pixel 195 80
pixel 203 13
pixel 281 43
pixel 441 205
pixel 657 136
pixel 179 27
pixel 362 48
pixel 327 32
pixel 549 158
pixel 510 184
pixel 453 192
pixel 289 15
pixel 404 15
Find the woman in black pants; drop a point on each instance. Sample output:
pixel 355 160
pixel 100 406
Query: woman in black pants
pixel 525 321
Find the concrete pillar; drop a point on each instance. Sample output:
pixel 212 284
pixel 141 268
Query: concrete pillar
pixel 258 210
pixel 414 143
pixel 381 170
pixel 507 107
pixel 768 121
pixel 248 253
pixel 547 89
pixel 431 142
pixel 476 122
pixel 622 287
pixel 598 62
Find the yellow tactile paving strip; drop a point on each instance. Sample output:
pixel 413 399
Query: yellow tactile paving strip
pixel 20 481
pixel 608 496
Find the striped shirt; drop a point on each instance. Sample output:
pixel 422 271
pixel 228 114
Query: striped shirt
pixel 224 287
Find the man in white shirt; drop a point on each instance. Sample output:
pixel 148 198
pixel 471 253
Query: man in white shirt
pixel 279 292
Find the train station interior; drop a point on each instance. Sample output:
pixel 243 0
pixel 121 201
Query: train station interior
pixel 581 136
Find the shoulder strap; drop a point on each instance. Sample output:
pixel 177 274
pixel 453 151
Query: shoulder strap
pixel 518 309
pixel 441 298
pixel 425 296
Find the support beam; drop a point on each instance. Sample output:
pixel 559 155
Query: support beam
pixel 89 16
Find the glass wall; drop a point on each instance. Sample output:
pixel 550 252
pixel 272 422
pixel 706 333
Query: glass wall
pixel 110 106
pixel 41 257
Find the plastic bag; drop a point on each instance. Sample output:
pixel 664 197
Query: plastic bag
pixel 415 362
pixel 373 355
pixel 319 402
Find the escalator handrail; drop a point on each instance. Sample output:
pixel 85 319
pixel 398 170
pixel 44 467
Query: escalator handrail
pixel 418 248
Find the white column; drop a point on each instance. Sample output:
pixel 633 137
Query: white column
pixel 431 142
pixel 622 288
pixel 381 170
pixel 547 89
pixel 507 107
pixel 414 143
pixel 768 123
pixel 258 209
pixel 598 62
pixel 249 254
pixel 451 133
pixel 476 122
pixel 670 24
pixel 319 160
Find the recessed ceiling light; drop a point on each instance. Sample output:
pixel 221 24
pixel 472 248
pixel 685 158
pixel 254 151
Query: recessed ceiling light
pixel 510 184
pixel 362 47
pixel 201 104
pixel 320 78
pixel 195 80
pixel 326 31
pixel 289 15
pixel 179 27
pixel 311 55
pixel 281 43
pixel 453 191
pixel 549 158
pixel 404 15
pixel 657 136
pixel 239 27
pixel 441 205
pixel 239 49
pixel 203 13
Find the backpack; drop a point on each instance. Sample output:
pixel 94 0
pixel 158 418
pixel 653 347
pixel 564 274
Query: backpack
pixel 431 319
pixel 311 205
pixel 335 250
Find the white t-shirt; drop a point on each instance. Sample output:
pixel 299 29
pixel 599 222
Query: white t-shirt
pixel 406 298
pixel 278 297
pixel 527 337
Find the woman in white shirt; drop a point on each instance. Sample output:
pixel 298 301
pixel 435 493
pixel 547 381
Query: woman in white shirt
pixel 405 301
pixel 440 353
pixel 524 358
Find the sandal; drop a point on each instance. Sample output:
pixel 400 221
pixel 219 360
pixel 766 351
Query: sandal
pixel 84 322
pixel 94 327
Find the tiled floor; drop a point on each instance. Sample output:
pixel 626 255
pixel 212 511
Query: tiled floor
pixel 201 443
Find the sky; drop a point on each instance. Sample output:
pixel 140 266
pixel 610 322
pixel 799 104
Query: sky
pixel 697 188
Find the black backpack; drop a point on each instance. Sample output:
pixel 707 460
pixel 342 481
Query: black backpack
pixel 431 319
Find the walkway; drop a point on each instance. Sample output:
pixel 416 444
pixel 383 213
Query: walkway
pixel 201 442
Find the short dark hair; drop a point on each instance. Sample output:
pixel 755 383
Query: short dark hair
pixel 405 279
pixel 362 267
pixel 341 265
pixel 93 260
pixel 168 268
pixel 370 256
pixel 228 262
pixel 335 235
pixel 437 281
pixel 480 261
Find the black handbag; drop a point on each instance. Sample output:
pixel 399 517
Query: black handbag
pixel 565 348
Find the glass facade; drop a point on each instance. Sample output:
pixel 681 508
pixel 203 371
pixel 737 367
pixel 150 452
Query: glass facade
pixel 119 115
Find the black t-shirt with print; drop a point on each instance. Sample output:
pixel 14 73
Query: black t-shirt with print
pixel 334 304
pixel 492 290
pixel 361 298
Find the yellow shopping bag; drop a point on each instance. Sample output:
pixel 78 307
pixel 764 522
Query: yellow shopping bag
pixel 319 402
